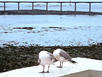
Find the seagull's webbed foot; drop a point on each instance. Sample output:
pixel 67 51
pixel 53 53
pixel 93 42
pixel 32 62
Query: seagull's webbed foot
pixel 47 72
pixel 42 72
pixel 59 67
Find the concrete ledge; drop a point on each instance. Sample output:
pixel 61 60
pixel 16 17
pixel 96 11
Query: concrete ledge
pixel 84 68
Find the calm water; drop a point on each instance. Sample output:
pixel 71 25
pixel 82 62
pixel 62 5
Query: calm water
pixel 50 30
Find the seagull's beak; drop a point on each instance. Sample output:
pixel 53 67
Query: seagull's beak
pixel 55 60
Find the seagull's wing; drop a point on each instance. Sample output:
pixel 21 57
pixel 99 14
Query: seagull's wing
pixel 65 55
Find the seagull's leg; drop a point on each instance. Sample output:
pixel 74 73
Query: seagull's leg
pixel 60 65
pixel 48 68
pixel 43 69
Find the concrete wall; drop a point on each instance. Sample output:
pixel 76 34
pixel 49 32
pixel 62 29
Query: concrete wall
pixel 87 73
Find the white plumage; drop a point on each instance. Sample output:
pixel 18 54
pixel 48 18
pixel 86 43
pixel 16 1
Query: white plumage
pixel 46 58
pixel 62 56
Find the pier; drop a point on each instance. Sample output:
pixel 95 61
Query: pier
pixel 32 10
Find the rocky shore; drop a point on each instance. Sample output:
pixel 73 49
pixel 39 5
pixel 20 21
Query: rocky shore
pixel 14 57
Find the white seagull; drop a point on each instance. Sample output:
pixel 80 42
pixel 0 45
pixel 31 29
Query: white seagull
pixel 62 56
pixel 46 58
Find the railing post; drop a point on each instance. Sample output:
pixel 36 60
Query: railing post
pixel 60 6
pixel 70 3
pixel 75 7
pixel 47 6
pixel 18 6
pixel 89 7
pixel 4 6
pixel 32 5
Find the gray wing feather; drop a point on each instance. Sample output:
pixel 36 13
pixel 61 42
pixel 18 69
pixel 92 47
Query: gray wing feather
pixel 65 55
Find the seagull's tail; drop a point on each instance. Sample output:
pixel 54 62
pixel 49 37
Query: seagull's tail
pixel 72 61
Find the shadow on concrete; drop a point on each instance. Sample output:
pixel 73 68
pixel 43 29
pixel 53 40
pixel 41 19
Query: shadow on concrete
pixel 87 73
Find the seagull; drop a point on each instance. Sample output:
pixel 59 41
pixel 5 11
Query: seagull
pixel 46 58
pixel 62 56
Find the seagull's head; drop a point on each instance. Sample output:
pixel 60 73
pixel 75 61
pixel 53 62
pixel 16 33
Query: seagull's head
pixel 54 60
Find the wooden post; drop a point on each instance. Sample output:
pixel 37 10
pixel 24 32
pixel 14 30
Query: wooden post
pixel 4 6
pixel 32 5
pixel 60 6
pixel 75 7
pixel 18 6
pixel 47 6
pixel 89 7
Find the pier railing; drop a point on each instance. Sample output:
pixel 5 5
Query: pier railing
pixel 19 3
